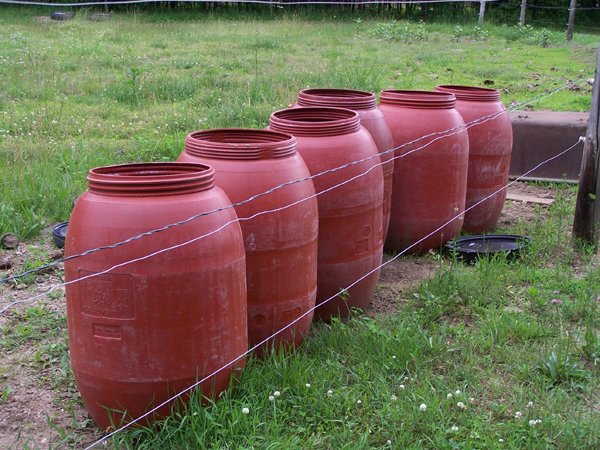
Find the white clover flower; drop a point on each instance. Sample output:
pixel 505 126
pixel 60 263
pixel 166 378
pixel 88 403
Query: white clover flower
pixel 276 394
pixel 330 392
pixel 423 407
pixel 307 385
pixel 461 405
pixel 449 395
pixel 501 440
pixel 245 410
pixel 471 399
pixel 393 356
pixel 538 421
pixel 530 404
pixel 393 398
pixel 457 392
pixel 454 428
pixel 532 423
pixel 359 402
pixel 405 378
pixel 389 442
pixel 518 415
pixel 271 398
pixel 401 386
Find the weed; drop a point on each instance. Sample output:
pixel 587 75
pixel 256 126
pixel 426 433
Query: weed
pixel 457 33
pixel 6 391
pixel 558 367
pixel 523 32
pixel 543 37
pixel 591 346
pixel 480 33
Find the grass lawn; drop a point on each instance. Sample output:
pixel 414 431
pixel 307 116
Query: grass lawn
pixel 79 94
pixel 495 355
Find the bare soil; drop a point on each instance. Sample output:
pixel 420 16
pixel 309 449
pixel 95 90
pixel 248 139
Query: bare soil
pixel 36 410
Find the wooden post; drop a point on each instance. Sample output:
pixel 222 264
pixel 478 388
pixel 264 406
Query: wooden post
pixel 481 11
pixel 587 211
pixel 571 20
pixel 523 10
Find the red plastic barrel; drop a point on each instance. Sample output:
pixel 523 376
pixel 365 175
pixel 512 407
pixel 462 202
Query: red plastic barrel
pixel 490 149
pixel 350 202
pixel 371 117
pixel 430 181
pixel 280 237
pixel 147 329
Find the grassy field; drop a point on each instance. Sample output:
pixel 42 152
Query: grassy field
pixel 496 355
pixel 80 94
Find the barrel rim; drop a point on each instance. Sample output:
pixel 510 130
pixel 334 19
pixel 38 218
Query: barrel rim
pixel 346 98
pixel 472 93
pixel 315 121
pixel 150 179
pixel 418 99
pixel 240 144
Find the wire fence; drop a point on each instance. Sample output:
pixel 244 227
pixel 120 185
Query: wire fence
pixel 515 107
pixel 311 310
pixel 433 138
pixel 241 2
pixel 436 136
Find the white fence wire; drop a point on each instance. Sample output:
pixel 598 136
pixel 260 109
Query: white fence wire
pixel 310 310
pixel 241 2
pixel 468 125
pixel 435 137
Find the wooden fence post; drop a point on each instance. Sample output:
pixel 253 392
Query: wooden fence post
pixel 586 225
pixel 523 10
pixel 571 23
pixel 481 11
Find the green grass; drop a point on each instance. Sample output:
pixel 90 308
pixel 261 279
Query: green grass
pixel 490 331
pixel 76 95
pixel 79 94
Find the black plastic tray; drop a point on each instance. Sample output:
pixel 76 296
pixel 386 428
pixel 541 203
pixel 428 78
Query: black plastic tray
pixel 470 248
pixel 59 233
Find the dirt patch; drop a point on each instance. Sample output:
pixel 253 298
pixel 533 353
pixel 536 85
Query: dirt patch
pixel 397 280
pixel 515 211
pixel 39 403
pixel 38 411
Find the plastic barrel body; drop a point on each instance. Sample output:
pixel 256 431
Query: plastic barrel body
pixel 280 227
pixel 490 149
pixel 350 202
pixel 371 117
pixel 430 170
pixel 149 318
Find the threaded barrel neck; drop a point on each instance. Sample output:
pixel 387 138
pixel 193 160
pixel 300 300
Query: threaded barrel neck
pixel 151 179
pixel 315 121
pixel 338 98
pixel 471 93
pixel 240 144
pixel 418 99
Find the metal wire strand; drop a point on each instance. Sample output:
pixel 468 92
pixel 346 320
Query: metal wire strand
pixel 454 131
pixel 277 3
pixel 238 358
pixel 275 188
pixel 440 135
